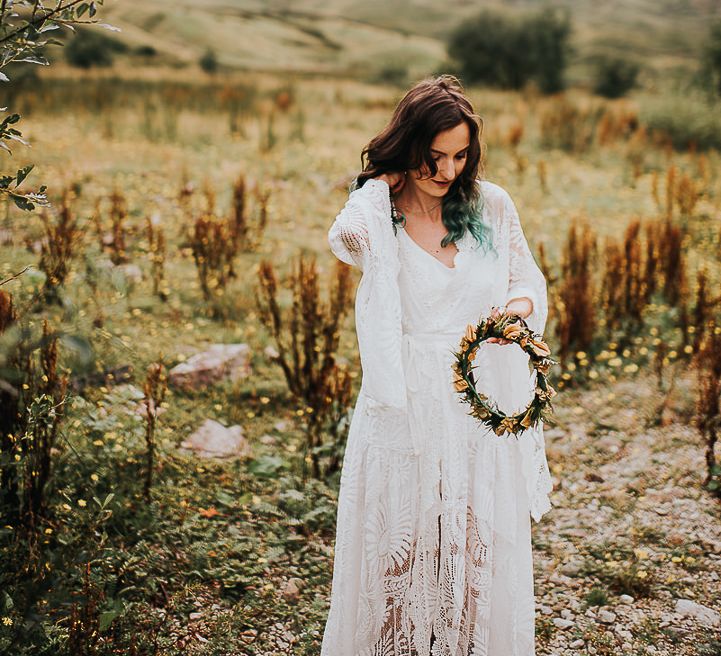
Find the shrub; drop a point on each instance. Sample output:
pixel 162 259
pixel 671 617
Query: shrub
pixel 208 61
pixel 88 49
pixel 712 58
pixel 549 33
pixel 492 49
pixel 508 52
pixel 615 77
pixel 684 120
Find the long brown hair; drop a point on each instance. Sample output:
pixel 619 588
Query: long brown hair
pixel 429 107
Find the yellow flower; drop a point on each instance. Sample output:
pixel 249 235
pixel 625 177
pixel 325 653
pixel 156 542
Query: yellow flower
pixel 509 424
pixel 460 383
pixel 526 421
pixel 481 412
pixel 470 333
pixel 512 331
pixel 82 503
pixel 540 347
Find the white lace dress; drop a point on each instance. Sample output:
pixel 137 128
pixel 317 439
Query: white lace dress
pixel 433 547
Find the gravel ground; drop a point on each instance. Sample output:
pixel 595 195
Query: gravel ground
pixel 631 532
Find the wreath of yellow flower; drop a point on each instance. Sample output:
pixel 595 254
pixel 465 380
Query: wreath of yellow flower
pixel 514 328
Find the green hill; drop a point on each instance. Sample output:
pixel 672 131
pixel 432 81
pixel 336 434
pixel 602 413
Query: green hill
pixel 361 39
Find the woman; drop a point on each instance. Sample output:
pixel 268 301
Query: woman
pixel 433 545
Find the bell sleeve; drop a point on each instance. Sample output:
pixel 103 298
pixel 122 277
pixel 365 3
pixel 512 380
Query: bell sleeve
pixel 349 236
pixel 525 277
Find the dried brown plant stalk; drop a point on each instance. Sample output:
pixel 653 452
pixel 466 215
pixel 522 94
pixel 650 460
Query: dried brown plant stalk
pixel 671 256
pixel 157 254
pixel 670 190
pixel 624 294
pixel 213 252
pixel 307 335
pixel 687 194
pixel 155 387
pixel 704 307
pixel 32 407
pixel 112 239
pixel 247 220
pixel 708 418
pixel 577 321
pixel 60 244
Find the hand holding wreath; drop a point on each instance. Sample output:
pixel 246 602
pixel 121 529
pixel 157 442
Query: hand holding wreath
pixel 503 328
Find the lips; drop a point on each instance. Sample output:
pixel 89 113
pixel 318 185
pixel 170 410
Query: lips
pixel 442 184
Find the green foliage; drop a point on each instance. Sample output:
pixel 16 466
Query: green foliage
pixel 391 73
pixel 712 58
pixel 615 77
pixel 208 62
pixel 549 32
pixel 89 49
pixel 685 119
pixel 509 52
pixel 597 597
pixel 23 38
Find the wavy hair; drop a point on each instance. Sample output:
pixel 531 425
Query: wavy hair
pixel 429 107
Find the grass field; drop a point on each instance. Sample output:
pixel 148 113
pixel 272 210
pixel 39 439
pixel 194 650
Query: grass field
pixel 234 557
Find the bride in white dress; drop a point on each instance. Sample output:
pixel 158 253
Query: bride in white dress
pixel 433 546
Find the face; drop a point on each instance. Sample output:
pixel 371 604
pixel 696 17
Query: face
pixel 449 150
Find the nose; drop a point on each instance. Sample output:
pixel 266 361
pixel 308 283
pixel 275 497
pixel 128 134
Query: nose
pixel 447 170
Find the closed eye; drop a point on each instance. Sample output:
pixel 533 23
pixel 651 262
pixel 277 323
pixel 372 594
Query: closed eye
pixel 459 156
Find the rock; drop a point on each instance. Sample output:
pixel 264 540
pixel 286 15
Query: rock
pixel 268 439
pixel 567 614
pixel 625 599
pixel 213 440
pixel 572 567
pixel 546 610
pixel 577 644
pixel 291 589
pixel 195 616
pixel 281 425
pixel 606 616
pixel 218 362
pixel 562 623
pixel 705 615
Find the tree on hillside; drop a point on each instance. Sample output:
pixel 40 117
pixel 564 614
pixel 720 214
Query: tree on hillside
pixel 712 58
pixel 87 49
pixel 549 32
pixel 508 52
pixel 26 27
pixel 614 77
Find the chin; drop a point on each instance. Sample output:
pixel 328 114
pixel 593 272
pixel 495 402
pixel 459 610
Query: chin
pixel 434 190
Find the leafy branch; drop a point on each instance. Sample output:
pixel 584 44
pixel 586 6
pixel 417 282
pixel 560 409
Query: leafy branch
pixel 21 40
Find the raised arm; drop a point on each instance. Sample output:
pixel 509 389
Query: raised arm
pixel 349 237
pixel 526 280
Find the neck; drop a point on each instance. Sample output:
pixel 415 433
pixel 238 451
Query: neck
pixel 418 202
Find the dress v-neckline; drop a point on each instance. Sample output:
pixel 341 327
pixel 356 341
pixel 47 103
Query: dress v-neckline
pixel 429 254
